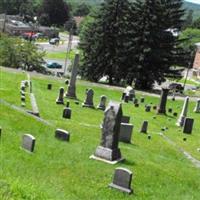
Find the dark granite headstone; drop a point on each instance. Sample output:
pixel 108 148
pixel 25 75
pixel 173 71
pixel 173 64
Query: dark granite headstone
pixel 126 98
pixel 62 135
pixel 154 107
pixel 144 127
pixel 142 100
pixel 60 99
pixel 137 105
pixel 175 114
pixel 108 149
pixel 188 125
pixel 49 86
pixel 125 132
pixel 170 110
pixel 135 101
pixel 125 119
pixel 28 142
pixel 89 99
pixel 67 112
pixel 148 108
pixel 163 101
pixel 122 180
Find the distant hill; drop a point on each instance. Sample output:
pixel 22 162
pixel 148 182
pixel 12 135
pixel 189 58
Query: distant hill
pixel 194 7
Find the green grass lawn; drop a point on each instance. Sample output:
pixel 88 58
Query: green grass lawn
pixel 63 171
pixel 59 55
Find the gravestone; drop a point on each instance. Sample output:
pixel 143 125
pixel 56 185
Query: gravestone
pixel 137 105
pixel 123 95
pixel 170 110
pixel 144 127
pixel 154 107
pixel 125 132
pixel 89 99
pixel 28 142
pixel 135 101
pixel 108 151
pixel 49 86
pixel 62 135
pixel 125 119
pixel 175 114
pixel 126 98
pixel 66 81
pixel 67 112
pixel 188 125
pixel 148 108
pixel 197 107
pixel 102 104
pixel 142 100
pixel 129 92
pixel 60 99
pixel 23 98
pixel 173 97
pixel 71 91
pixel 22 93
pixel 122 180
pixel 163 101
pixel 183 114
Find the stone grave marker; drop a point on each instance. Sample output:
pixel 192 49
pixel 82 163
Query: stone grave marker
pixel 67 111
pixel 122 180
pixel 60 99
pixel 148 108
pixel 135 101
pixel 170 110
pixel 62 135
pixel 28 142
pixel 163 101
pixel 126 131
pixel 142 100
pixel 49 86
pixel 108 151
pixel 89 99
pixel 71 92
pixel 126 98
pixel 175 114
pixel 188 125
pixel 197 107
pixel 183 114
pixel 137 105
pixel 144 127
pixel 154 107
pixel 102 104
pixel 125 119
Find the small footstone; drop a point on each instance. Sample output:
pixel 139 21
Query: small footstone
pixel 122 180
pixel 137 105
pixel 49 86
pixel 184 139
pixel 170 110
pixel 67 82
pixel 67 112
pixel 76 102
pixel 154 117
pixel 149 137
pixel 175 114
pixel 144 127
pixel 62 135
pixel 154 107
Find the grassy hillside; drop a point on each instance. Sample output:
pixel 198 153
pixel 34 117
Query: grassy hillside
pixel 63 171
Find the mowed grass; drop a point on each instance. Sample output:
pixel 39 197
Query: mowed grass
pixel 63 171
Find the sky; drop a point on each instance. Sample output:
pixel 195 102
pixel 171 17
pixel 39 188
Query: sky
pixel 194 1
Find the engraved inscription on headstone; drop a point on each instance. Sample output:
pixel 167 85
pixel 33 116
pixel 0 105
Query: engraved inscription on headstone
pixel 62 135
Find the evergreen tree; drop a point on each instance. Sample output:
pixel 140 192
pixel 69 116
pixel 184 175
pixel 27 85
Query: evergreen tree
pixel 53 12
pixel 105 42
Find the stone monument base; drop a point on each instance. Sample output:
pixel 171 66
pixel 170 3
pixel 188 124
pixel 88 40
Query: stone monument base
pixel 107 155
pixel 88 106
pixel 123 189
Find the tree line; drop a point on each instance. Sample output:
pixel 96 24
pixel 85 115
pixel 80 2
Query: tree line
pixel 133 42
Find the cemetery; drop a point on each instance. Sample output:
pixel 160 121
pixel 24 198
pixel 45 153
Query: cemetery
pixel 95 144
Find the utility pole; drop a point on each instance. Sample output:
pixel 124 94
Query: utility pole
pixel 5 18
pixel 69 46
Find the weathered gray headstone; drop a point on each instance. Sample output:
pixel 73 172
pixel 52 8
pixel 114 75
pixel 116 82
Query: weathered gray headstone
pixel 163 101
pixel 135 101
pixel 144 127
pixel 89 99
pixel 122 180
pixel 67 112
pixel 102 104
pixel 62 135
pixel 71 92
pixel 28 142
pixel 108 149
pixel 183 114
pixel 188 125
pixel 197 107
pixel 125 119
pixel 126 131
pixel 60 99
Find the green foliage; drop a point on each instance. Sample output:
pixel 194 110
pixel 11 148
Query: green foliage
pixel 16 53
pixel 81 9
pixel 193 35
pixel 196 23
pixel 121 48
pixel 52 13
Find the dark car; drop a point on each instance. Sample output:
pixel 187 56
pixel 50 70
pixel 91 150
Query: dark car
pixel 176 87
pixel 54 65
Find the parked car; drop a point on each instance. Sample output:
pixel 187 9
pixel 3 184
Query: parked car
pixel 54 65
pixel 176 87
pixel 54 41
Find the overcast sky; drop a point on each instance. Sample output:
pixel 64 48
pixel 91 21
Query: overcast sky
pixel 194 1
